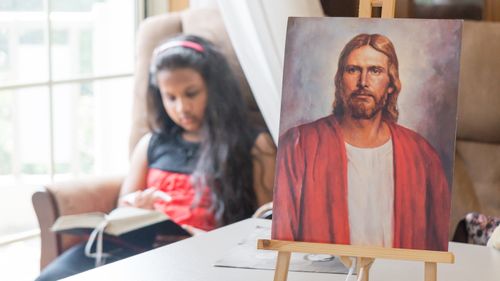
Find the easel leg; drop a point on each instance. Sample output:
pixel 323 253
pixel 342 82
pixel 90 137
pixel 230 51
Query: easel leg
pixel 365 264
pixel 365 9
pixel 430 271
pixel 282 264
pixel 388 9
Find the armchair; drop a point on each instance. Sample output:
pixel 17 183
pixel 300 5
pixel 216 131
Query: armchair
pixel 101 194
pixel 476 174
pixel 476 179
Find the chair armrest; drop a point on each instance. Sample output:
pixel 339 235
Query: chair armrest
pixel 264 212
pixel 72 197
pixel 46 212
pixel 460 234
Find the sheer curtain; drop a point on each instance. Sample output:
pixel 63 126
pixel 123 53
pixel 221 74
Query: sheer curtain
pixel 257 29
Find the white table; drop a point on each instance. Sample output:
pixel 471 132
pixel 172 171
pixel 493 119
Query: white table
pixel 192 259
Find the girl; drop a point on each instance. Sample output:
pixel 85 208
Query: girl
pixel 213 166
pixel 203 164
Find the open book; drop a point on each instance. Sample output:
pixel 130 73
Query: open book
pixel 117 222
pixel 126 226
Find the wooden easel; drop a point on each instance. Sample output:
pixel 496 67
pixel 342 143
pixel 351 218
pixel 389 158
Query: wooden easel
pixel 366 6
pixel 365 255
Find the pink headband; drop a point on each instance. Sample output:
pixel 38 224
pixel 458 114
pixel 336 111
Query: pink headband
pixel 187 44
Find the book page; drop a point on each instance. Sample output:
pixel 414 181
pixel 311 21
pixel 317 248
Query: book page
pixel 125 219
pixel 120 220
pixel 88 220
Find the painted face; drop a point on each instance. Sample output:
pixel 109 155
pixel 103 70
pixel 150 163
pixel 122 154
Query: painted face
pixel 365 83
pixel 184 95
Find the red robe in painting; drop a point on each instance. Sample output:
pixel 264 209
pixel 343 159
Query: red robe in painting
pixel 311 188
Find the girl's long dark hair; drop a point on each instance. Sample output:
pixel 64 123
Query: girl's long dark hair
pixel 225 161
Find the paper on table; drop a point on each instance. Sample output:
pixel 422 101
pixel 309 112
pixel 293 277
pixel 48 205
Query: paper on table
pixel 246 255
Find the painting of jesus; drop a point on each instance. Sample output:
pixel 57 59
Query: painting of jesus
pixel 359 174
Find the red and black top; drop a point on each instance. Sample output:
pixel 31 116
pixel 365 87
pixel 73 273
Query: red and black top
pixel 171 161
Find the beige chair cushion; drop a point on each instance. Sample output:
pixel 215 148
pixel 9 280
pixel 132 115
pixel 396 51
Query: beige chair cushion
pixel 149 35
pixel 478 137
pixel 464 198
pixel 476 184
pixel 482 163
pixel 479 94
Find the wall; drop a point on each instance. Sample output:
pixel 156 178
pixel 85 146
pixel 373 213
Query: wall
pixel 178 5
pixel 492 10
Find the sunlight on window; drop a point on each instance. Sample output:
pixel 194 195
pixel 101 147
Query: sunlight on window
pixel 89 116
pixel 96 113
pixel 6 137
pixel 82 44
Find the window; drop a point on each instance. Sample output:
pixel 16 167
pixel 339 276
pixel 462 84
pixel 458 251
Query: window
pixel 65 93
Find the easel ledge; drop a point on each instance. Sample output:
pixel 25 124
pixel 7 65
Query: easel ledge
pixel 356 251
pixel 365 256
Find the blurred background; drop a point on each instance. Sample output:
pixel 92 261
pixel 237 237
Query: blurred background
pixel 66 71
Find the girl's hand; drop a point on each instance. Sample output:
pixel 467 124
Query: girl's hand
pixel 144 199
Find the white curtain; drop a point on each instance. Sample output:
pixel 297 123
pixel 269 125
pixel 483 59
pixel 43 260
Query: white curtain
pixel 257 29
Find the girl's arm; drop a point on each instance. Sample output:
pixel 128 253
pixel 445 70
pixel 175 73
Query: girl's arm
pixel 264 158
pixel 136 178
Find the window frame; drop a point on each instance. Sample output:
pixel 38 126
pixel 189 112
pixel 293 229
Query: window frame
pixel 50 82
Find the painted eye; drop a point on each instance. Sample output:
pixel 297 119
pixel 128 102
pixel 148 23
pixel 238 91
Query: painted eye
pixel 351 70
pixel 376 70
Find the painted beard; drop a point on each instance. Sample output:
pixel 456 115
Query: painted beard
pixel 361 108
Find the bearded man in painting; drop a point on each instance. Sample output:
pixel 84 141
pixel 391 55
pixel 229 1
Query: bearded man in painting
pixel 356 176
